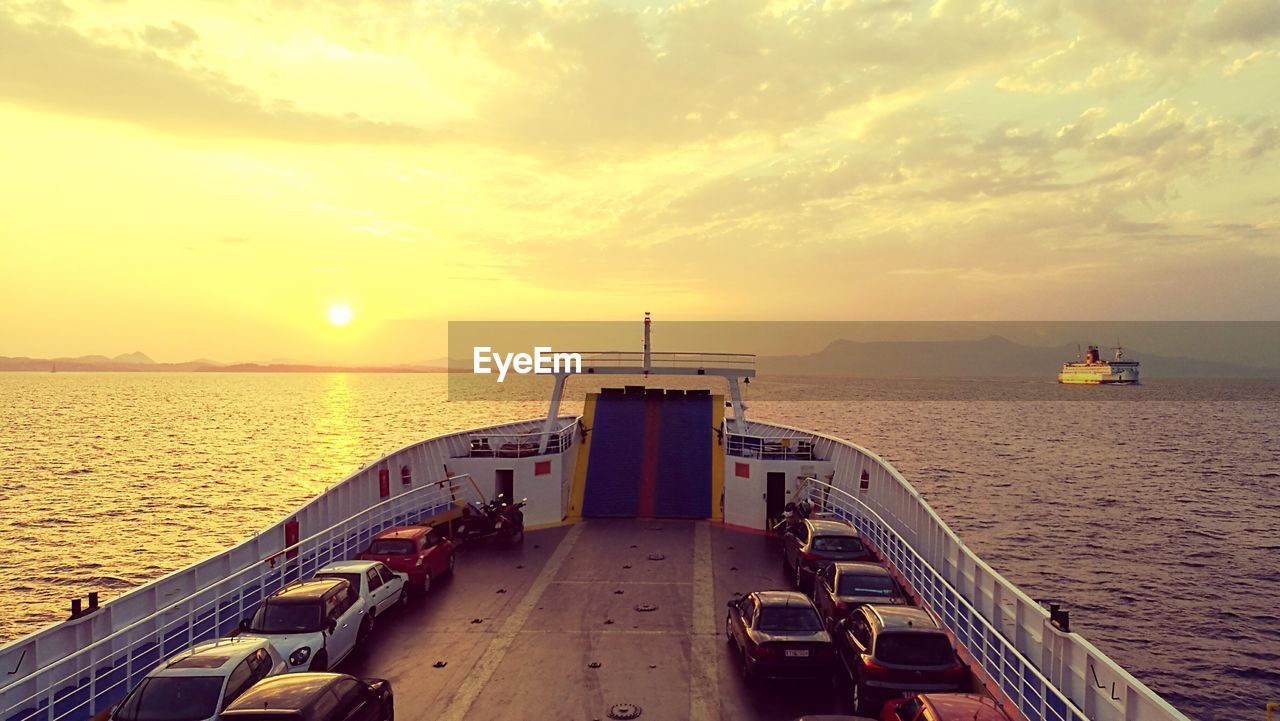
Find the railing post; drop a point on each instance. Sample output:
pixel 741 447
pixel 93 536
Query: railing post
pixel 553 413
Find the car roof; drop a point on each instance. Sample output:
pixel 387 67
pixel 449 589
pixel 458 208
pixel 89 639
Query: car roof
pixel 783 598
pixel 308 590
pixel 211 658
pixel 862 567
pixel 902 618
pixel 831 528
pixel 289 692
pixel 965 706
pixel 348 567
pixel 406 532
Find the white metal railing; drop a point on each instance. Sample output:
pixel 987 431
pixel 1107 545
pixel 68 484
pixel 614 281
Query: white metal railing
pixel 1097 685
pixel 635 359
pixel 520 445
pixel 90 680
pixel 770 447
pixel 1021 683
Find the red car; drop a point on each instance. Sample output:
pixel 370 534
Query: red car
pixel 943 707
pixel 421 552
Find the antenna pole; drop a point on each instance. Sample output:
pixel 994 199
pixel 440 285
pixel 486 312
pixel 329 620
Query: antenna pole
pixel 647 358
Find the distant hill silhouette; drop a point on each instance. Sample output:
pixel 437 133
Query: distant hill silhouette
pixel 994 356
pixel 140 362
pixel 990 357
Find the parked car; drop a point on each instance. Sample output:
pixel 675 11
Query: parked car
pixel 811 544
pixel 842 587
pixel 314 624
pixel 315 697
pixel 421 552
pixel 779 634
pixel 198 684
pixel 891 650
pixel 381 588
pixel 943 707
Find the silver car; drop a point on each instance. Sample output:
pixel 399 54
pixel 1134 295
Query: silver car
pixel 197 685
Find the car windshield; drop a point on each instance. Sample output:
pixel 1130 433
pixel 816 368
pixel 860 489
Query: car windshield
pixel 281 617
pixel 778 619
pixel 855 585
pixel 392 547
pixel 915 649
pixel 172 698
pixel 837 544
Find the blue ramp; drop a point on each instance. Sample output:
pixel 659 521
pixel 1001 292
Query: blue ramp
pixel 617 454
pixel 683 485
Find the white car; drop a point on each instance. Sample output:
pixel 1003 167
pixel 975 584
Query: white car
pixel 380 587
pixel 197 685
pixel 314 624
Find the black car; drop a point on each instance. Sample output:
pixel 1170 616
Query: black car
pixel 779 635
pixel 814 542
pixel 891 650
pixel 314 697
pixel 842 587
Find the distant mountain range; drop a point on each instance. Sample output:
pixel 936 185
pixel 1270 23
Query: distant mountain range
pixel 990 357
pixel 140 362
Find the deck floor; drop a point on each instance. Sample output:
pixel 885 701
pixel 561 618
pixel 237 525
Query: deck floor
pixel 544 612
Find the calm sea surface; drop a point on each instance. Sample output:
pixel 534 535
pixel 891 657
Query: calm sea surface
pixel 1158 523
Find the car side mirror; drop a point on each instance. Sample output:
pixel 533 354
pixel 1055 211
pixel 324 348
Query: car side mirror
pixel 331 626
pixel 244 625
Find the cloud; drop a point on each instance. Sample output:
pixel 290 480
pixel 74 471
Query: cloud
pixel 176 36
pixel 54 68
pixel 587 76
pixel 1245 21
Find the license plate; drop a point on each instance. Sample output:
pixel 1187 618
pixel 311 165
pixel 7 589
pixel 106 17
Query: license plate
pixel 793 653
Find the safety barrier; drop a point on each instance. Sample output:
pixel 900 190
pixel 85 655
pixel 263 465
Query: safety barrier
pixel 520 445
pixel 98 676
pixel 1018 679
pixel 769 447
pixel 70 670
pixel 1097 686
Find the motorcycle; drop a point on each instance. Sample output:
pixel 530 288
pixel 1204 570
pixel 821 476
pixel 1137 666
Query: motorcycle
pixel 493 519
pixel 793 515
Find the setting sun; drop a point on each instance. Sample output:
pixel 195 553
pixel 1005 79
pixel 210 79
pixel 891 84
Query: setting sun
pixel 340 314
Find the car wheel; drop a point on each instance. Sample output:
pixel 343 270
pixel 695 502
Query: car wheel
pixel 452 561
pixel 861 704
pixel 426 584
pixel 389 711
pixel 403 600
pixel 320 662
pixel 728 628
pixel 366 628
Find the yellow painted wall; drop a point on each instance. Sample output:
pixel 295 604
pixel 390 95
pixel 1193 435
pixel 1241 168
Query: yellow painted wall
pixel 584 453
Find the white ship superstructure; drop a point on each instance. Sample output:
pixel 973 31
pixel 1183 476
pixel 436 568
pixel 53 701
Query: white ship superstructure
pixel 1095 371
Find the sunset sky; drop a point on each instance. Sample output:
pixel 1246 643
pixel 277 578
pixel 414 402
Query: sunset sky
pixel 208 179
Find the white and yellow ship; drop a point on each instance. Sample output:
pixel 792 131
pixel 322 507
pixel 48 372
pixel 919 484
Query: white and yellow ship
pixel 1095 371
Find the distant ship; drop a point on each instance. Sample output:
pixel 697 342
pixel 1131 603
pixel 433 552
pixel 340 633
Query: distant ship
pixel 1095 371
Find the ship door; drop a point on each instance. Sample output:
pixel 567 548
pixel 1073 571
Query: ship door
pixel 504 485
pixel 775 497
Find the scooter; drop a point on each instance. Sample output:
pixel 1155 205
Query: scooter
pixel 494 519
